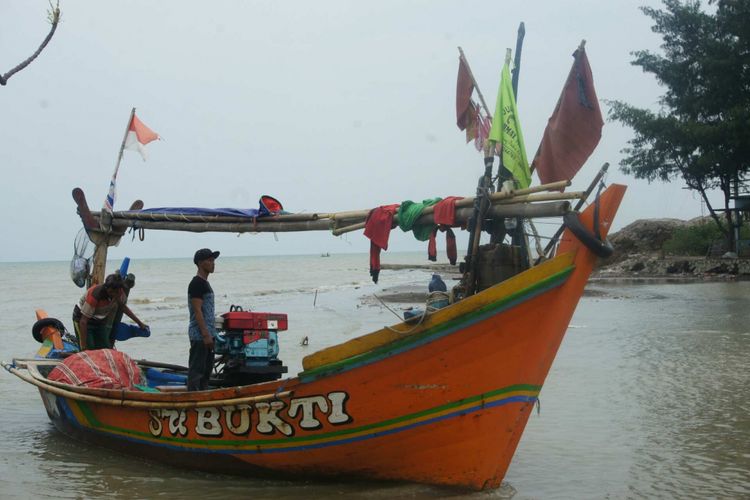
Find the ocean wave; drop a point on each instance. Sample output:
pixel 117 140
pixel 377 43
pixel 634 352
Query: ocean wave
pixel 306 289
pixel 153 300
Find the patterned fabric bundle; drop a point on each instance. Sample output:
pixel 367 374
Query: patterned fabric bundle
pixel 101 368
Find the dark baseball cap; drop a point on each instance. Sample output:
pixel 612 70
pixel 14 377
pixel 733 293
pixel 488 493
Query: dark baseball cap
pixel 203 254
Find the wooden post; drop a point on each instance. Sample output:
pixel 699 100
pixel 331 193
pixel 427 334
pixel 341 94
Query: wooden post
pixel 500 167
pixel 117 167
pixel 100 263
pixel 474 81
pixel 517 59
pixel 481 204
pixel 102 239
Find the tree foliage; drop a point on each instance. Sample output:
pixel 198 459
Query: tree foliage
pixel 701 134
pixel 698 239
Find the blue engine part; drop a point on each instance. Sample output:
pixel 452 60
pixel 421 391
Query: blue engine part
pixel 248 356
pixel 254 349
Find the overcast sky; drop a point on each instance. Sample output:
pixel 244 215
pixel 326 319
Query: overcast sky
pixel 327 105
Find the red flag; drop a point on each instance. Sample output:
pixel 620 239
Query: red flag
pixel 138 136
pixel 464 89
pixel 575 127
pixel 471 122
pixel 484 124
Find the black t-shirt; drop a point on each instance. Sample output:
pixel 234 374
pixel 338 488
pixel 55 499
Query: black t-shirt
pixel 199 287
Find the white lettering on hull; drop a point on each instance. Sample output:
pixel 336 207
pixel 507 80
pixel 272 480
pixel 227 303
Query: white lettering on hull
pixel 267 418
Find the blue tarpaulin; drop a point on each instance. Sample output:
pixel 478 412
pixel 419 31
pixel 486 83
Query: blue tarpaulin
pixel 232 212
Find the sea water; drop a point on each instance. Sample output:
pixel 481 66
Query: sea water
pixel 648 396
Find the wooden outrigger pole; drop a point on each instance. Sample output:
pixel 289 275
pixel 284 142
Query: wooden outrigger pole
pixel 106 229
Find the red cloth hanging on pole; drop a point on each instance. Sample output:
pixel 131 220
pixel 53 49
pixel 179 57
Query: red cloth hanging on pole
pixel 465 109
pixel 450 245
pixel 445 216
pixel 445 211
pixel 378 227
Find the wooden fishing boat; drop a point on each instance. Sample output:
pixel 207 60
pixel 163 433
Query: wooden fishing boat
pixel 442 398
pixel 443 401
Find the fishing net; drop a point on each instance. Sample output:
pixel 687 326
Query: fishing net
pixel 102 368
pixel 80 265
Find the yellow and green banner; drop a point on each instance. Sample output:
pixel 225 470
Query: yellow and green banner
pixel 506 131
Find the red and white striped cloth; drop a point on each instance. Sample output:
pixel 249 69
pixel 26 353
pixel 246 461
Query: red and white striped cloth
pixel 101 368
pixel 484 124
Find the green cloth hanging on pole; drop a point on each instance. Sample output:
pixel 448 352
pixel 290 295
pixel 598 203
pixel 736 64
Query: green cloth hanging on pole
pixel 409 212
pixel 506 131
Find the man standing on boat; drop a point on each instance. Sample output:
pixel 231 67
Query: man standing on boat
pixel 92 315
pixel 201 328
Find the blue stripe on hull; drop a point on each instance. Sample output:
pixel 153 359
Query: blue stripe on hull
pixel 235 451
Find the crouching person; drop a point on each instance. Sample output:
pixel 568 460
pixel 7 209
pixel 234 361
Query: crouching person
pixel 92 315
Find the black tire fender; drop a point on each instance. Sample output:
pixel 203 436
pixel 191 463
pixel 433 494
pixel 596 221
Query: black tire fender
pixel 600 248
pixel 36 330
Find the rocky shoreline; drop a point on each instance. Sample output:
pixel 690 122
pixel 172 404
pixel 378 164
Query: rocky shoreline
pixel 639 256
pixel 654 267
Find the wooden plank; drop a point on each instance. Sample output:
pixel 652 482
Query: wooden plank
pixel 83 210
pixel 551 209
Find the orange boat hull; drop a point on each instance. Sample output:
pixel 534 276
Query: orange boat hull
pixel 444 402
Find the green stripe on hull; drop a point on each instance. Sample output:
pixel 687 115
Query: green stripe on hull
pixel 94 423
pixel 436 331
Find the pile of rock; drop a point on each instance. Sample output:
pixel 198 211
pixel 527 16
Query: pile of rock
pixel 639 253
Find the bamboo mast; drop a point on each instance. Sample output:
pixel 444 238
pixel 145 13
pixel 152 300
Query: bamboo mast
pixel 119 160
pixel 517 58
pixel 474 81
pixel 475 226
pixel 102 240
pixel 485 182
pixel 519 238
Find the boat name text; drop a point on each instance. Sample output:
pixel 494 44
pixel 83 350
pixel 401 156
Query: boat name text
pixel 266 417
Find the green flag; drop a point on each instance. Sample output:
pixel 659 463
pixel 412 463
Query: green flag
pixel 506 131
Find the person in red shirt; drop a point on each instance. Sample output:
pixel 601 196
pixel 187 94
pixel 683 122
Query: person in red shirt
pixel 90 315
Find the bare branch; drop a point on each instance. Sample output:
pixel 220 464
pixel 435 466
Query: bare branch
pixel 53 15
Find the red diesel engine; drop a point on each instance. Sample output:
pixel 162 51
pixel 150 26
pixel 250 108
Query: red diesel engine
pixel 248 346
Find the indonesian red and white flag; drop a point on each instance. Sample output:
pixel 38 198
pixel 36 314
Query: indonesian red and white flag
pixel 138 136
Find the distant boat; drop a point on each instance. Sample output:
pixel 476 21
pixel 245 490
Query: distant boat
pixel 326 254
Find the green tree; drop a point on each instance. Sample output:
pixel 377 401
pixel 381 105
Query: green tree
pixel 701 134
